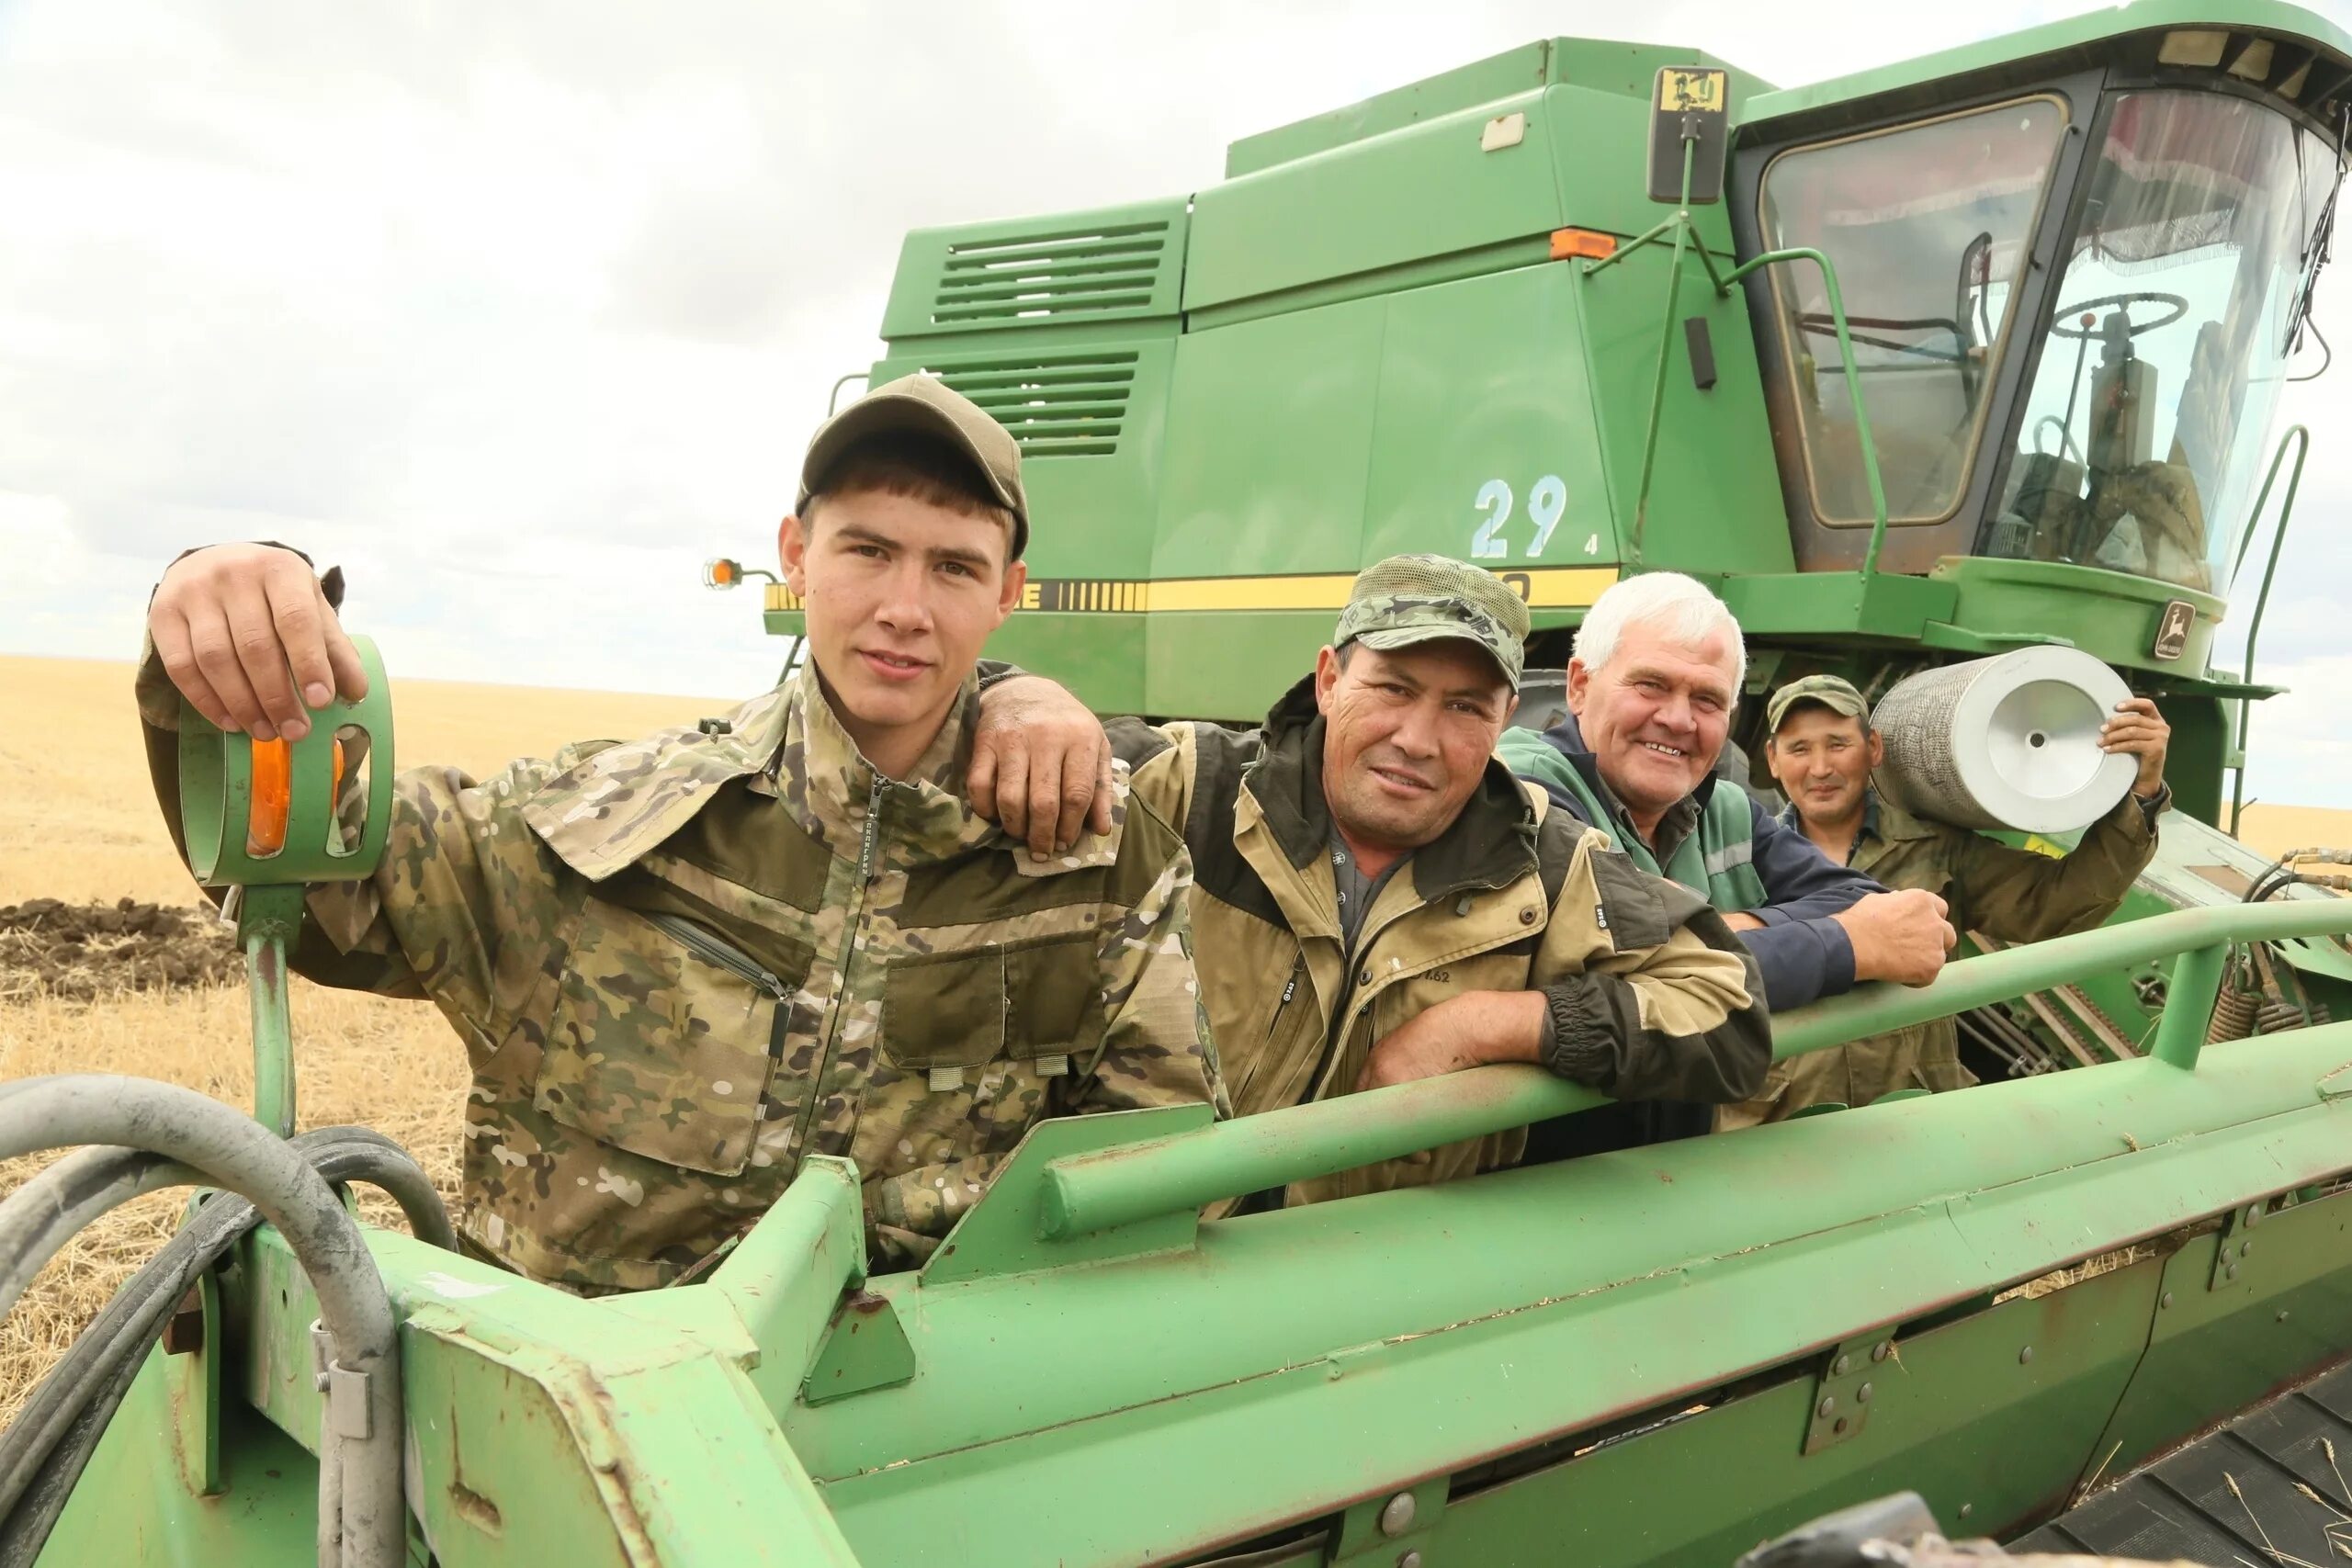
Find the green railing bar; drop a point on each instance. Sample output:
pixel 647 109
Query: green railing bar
pixel 267 919
pixel 1853 378
pixel 1135 1181
pixel 2302 436
pixel 786 1276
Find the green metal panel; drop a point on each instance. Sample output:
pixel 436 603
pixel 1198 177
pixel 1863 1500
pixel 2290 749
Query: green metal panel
pixel 2056 38
pixel 132 1506
pixel 1715 507
pixel 2109 615
pixel 1502 468
pixel 1228 667
pixel 1955 1415
pixel 1424 191
pixel 1624 70
pixel 2219 1343
pixel 1286 405
pixel 1642 1295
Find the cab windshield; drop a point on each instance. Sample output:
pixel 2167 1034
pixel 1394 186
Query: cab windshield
pixel 2142 438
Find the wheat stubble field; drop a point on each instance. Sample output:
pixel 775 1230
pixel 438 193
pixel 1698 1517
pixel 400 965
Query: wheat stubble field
pixel 78 823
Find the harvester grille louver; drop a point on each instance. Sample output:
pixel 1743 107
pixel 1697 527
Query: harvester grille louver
pixel 1050 276
pixel 1056 406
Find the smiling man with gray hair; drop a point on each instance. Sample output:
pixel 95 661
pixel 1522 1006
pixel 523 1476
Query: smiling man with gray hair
pixel 1658 666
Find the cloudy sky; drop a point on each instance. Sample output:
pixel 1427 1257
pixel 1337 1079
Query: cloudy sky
pixel 520 310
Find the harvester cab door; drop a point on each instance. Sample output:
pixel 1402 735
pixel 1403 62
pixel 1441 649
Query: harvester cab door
pixel 1939 225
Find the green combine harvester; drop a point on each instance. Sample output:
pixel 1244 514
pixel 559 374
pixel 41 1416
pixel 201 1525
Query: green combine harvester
pixel 1968 354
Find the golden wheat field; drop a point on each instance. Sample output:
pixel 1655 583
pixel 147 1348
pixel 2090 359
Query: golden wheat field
pixel 78 823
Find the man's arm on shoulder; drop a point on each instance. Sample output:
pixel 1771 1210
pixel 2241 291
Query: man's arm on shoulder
pixel 1649 995
pixel 1803 952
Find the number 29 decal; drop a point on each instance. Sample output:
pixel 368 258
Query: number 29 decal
pixel 1546 499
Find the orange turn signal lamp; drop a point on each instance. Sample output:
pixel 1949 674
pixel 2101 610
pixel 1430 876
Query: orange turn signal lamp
pixel 1589 243
pixel 273 797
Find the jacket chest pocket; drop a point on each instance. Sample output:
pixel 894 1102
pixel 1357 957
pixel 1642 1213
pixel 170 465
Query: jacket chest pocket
pixel 663 1037
pixel 948 1015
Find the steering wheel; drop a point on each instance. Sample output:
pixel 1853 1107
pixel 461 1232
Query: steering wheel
pixel 2059 327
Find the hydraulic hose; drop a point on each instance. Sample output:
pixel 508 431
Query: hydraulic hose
pixel 46 1213
pixel 43 1453
pixel 362 1515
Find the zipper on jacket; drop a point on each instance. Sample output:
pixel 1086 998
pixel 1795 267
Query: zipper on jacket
pixel 713 949
pixel 855 915
pixel 1297 970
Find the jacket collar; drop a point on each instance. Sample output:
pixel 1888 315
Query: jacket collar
pixel 1680 820
pixel 1489 844
pixel 614 806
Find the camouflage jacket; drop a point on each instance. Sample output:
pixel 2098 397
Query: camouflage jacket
pixel 682 964
pixel 1650 993
pixel 1995 891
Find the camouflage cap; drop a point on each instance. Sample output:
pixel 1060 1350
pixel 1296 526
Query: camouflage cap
pixel 1409 599
pixel 926 406
pixel 1836 695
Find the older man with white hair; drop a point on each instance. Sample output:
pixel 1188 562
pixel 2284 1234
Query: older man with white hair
pixel 1657 669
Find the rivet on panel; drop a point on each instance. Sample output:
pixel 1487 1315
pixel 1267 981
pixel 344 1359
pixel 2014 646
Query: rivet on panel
pixel 1881 1350
pixel 1838 1368
pixel 1826 1408
pixel 1862 1395
pixel 1410 1560
pixel 1397 1516
pixel 2165 1300
pixel 2025 1355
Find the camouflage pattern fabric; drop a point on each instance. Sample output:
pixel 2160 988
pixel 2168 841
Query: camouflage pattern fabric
pixel 1405 600
pixel 682 965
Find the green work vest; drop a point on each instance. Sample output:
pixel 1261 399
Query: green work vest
pixel 1716 861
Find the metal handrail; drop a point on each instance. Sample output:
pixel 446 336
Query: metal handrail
pixel 1135 1181
pixel 2303 437
pixel 1679 227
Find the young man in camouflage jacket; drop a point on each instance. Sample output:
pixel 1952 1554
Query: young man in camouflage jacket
pixel 1378 899
pixel 682 963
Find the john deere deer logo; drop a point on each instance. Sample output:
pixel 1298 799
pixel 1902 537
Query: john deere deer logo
pixel 2172 631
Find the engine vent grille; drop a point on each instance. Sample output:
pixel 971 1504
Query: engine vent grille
pixel 1051 277
pixel 1055 406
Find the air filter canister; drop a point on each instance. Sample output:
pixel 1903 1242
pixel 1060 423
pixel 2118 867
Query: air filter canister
pixel 2010 741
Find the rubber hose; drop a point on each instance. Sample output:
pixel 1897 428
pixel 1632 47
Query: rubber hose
pixel 44 1451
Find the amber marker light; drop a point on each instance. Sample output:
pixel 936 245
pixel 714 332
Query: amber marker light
pixel 1592 245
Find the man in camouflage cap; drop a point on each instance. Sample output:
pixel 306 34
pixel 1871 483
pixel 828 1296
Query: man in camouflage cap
pixel 1822 748
pixel 1378 900
pixel 683 965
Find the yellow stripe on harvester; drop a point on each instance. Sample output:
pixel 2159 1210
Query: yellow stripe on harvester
pixel 1543 588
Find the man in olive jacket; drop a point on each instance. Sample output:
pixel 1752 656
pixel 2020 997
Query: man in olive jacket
pixel 1822 750
pixel 1376 899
